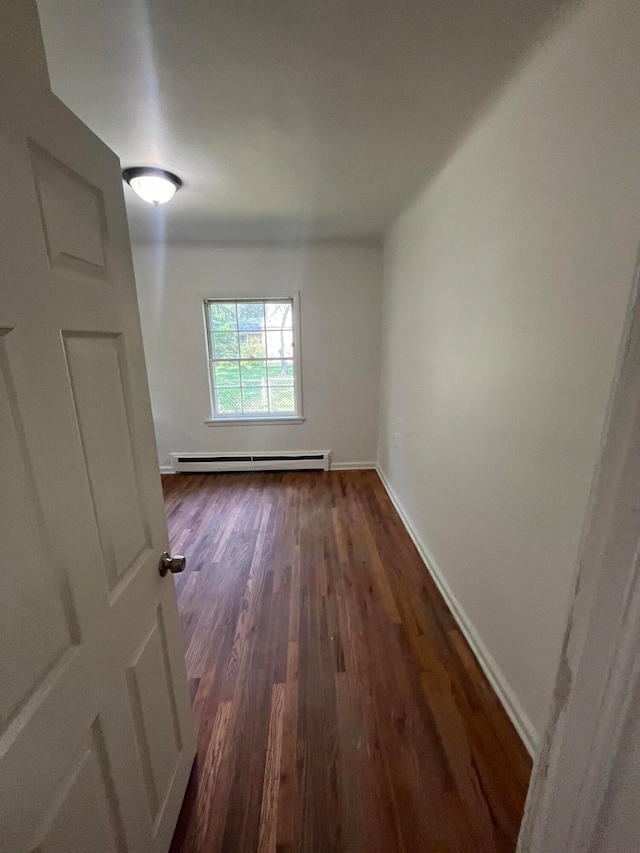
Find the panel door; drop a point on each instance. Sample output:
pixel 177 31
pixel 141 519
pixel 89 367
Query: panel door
pixel 96 734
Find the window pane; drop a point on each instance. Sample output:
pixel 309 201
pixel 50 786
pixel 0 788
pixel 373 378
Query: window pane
pixel 225 345
pixel 255 399
pixel 280 372
pixel 282 398
pixel 226 373
pixel 229 400
pixel 253 373
pixel 279 315
pixel 223 316
pixel 280 344
pixel 252 345
pixel 250 315
pixel 252 358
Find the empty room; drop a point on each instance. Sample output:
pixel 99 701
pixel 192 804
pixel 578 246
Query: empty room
pixel 319 426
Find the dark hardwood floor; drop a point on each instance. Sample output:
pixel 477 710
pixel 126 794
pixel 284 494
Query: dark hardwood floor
pixel 338 706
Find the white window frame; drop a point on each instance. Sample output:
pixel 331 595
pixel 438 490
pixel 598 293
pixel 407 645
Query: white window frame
pixel 233 419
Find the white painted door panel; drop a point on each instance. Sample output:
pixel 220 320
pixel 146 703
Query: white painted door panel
pixel 96 735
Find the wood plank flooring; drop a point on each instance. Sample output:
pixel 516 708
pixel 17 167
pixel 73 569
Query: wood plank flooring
pixel 338 706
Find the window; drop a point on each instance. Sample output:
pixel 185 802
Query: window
pixel 254 359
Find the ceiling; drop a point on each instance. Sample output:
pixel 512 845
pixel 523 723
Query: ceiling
pixel 286 119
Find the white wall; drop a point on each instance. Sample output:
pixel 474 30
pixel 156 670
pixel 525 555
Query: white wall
pixel 505 290
pixel 340 297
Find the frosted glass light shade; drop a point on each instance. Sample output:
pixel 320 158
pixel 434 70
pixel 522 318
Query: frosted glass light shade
pixel 156 186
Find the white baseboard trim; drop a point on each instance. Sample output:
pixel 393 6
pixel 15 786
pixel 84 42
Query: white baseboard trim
pixel 353 466
pixel 335 466
pixel 495 677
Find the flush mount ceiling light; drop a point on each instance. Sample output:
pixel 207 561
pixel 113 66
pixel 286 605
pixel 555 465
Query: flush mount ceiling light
pixel 157 186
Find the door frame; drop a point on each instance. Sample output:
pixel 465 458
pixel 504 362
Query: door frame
pixel 599 666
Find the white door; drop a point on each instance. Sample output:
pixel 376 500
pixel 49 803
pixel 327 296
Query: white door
pixel 96 735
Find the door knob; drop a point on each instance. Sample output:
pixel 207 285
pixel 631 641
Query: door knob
pixel 171 564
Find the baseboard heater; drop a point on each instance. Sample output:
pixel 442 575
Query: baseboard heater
pixel 277 461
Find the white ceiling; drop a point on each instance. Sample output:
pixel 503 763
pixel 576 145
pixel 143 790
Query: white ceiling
pixel 286 119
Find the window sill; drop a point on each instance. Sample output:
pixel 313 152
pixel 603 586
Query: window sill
pixel 252 421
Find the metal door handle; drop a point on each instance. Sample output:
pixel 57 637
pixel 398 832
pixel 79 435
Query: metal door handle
pixel 171 564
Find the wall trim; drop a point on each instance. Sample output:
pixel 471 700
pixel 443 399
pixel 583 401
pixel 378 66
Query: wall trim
pixel 495 677
pixel 335 466
pixel 353 466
